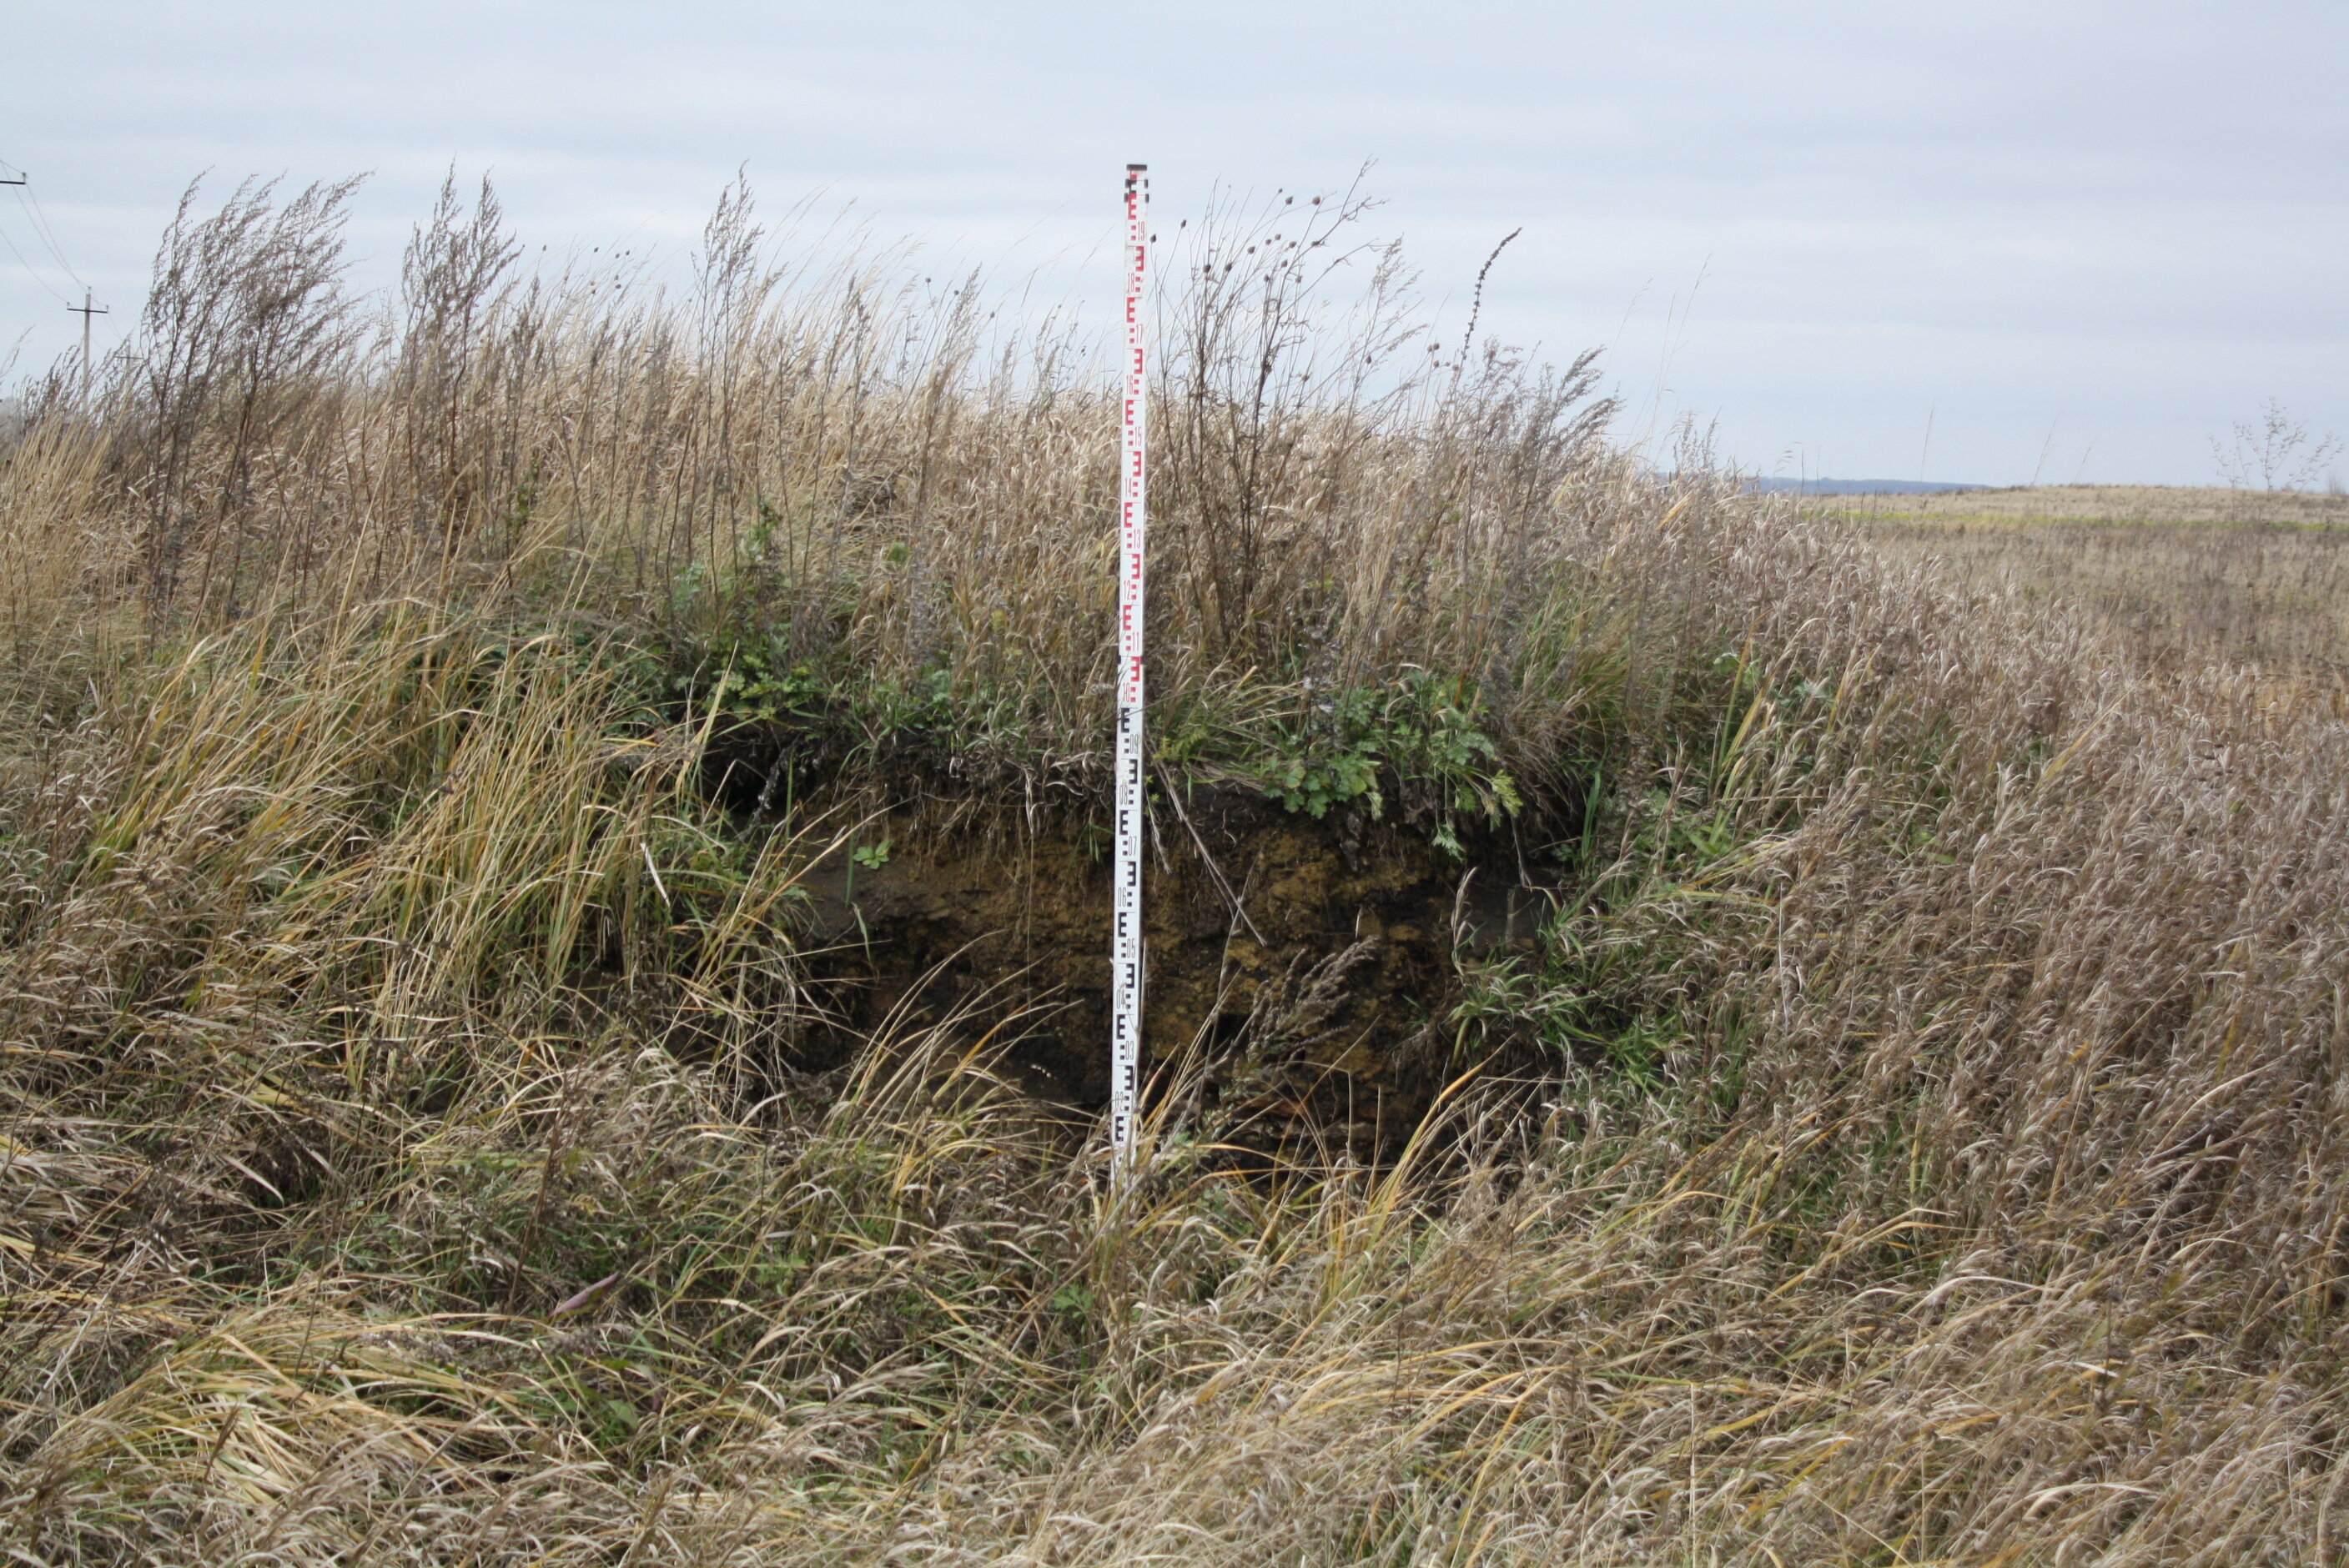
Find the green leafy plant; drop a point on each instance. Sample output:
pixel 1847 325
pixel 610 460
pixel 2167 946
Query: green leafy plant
pixel 1421 736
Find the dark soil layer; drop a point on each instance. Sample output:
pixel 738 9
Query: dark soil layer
pixel 1312 963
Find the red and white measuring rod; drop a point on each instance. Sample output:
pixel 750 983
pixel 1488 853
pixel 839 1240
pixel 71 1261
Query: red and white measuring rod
pixel 1126 970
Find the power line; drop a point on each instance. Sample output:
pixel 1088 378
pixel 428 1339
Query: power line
pixel 30 271
pixel 32 205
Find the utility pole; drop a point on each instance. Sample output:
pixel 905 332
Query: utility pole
pixel 88 307
pixel 85 310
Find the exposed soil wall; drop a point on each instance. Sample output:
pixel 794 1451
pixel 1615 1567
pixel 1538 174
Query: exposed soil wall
pixel 1311 962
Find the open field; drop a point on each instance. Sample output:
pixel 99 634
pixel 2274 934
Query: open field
pixel 2101 503
pixel 2177 577
pixel 455 780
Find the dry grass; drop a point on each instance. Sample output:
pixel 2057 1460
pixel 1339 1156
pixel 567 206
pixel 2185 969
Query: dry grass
pixel 1944 1160
pixel 2184 580
pixel 2102 503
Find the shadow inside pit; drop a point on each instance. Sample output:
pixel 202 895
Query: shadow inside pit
pixel 1312 964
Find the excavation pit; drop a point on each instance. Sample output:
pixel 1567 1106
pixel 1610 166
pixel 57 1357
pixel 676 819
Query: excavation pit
pixel 1310 966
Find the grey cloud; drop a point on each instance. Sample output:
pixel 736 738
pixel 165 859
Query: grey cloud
pixel 2132 211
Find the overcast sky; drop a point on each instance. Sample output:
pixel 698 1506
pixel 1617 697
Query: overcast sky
pixel 2080 238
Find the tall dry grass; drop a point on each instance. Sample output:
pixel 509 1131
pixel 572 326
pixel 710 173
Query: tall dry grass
pixel 1939 1157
